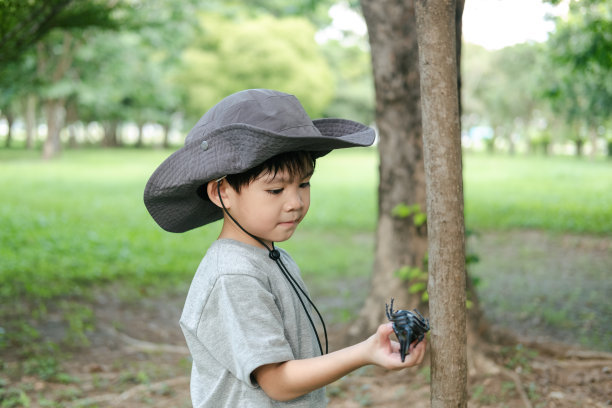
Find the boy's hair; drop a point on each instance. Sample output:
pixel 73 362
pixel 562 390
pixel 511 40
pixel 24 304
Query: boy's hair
pixel 297 164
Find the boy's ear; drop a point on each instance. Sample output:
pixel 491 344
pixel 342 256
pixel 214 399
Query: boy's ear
pixel 213 188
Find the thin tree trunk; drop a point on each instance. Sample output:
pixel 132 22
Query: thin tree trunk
pixel 71 118
pixel 30 120
pixel 111 138
pixel 54 69
pixel 139 141
pixel 10 118
pixel 579 142
pixel 54 109
pixel 166 139
pixel 399 241
pixel 442 148
pixel 72 137
pixel 593 137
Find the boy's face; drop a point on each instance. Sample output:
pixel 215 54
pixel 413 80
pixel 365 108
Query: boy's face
pixel 270 207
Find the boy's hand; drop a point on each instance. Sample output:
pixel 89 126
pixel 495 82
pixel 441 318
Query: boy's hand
pixel 386 353
pixel 291 379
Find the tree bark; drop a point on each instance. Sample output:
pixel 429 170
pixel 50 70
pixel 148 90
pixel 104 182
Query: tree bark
pixel 436 29
pixel 399 241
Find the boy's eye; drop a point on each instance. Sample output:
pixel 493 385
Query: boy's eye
pixel 305 184
pixel 275 191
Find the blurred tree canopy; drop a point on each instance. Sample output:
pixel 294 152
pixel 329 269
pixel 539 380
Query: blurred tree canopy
pixel 502 92
pixel 261 52
pixel 354 91
pixel 23 23
pixel 69 63
pixel 159 61
pixel 581 47
pixel 542 93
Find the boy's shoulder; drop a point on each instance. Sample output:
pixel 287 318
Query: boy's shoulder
pixel 229 267
pixel 229 257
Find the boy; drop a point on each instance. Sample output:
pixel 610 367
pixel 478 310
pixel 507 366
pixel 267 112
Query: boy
pixel 247 318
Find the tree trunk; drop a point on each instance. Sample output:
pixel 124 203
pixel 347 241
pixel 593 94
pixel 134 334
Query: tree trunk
pixel 578 143
pixel 111 138
pixel 10 118
pixel 593 137
pixel 442 148
pixel 53 67
pixel 166 140
pixel 30 120
pixel 72 116
pixel 139 141
pixel 54 110
pixel 399 241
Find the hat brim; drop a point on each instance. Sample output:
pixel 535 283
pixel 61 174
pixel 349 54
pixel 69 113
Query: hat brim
pixel 171 193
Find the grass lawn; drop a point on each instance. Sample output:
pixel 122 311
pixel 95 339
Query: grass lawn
pixel 78 222
pixel 561 194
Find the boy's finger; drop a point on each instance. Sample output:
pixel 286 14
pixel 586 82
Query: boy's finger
pixel 385 329
pixel 420 348
pixel 414 344
pixel 417 353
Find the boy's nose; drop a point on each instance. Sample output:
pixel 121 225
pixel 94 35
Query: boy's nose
pixel 295 201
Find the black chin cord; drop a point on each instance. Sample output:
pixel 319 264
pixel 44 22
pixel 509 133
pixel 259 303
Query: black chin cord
pixel 276 257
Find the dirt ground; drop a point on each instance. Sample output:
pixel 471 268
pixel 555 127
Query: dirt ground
pixel 138 359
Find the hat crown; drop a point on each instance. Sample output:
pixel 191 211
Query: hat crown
pixel 266 109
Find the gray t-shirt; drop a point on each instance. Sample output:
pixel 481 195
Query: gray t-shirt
pixel 241 313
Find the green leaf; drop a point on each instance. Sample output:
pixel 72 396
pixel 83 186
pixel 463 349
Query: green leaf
pixel 402 210
pixel 417 287
pixel 420 219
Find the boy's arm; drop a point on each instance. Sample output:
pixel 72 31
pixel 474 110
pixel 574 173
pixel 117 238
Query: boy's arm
pixel 291 379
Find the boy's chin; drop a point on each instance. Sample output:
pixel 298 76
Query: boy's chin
pixel 283 237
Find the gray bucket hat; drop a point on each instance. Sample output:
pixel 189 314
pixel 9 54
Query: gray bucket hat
pixel 240 132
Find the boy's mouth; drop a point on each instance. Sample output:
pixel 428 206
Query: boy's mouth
pixel 290 223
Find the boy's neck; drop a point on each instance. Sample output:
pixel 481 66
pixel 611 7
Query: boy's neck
pixel 230 231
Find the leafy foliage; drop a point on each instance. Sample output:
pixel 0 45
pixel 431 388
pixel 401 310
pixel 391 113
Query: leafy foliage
pixel 23 23
pixel 354 90
pixel 265 52
pixel 582 48
pixel 539 93
pixel 314 11
pixel 500 92
pixel 404 211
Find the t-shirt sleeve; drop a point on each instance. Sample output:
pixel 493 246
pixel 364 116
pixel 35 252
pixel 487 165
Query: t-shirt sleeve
pixel 242 327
